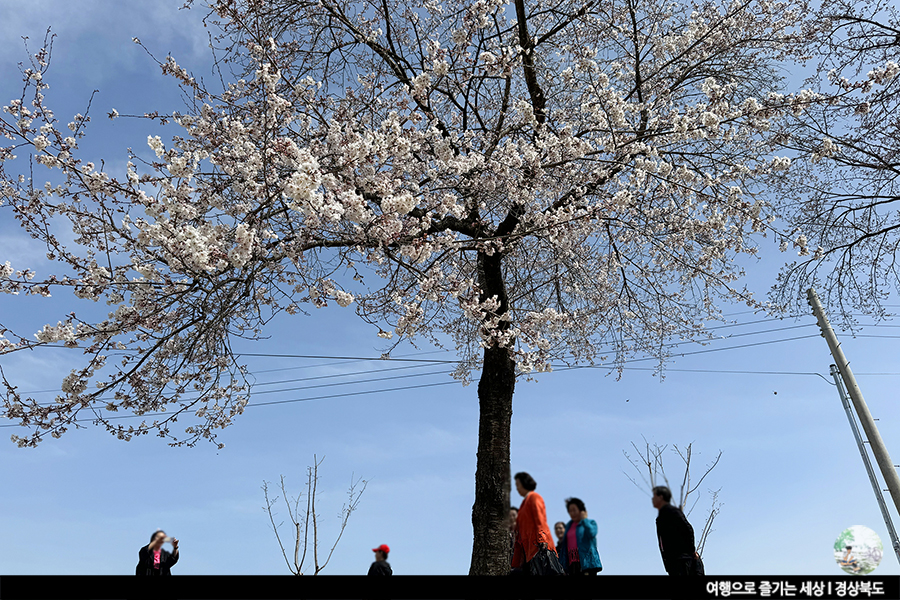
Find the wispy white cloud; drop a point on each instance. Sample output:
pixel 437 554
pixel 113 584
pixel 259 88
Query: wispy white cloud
pixel 18 248
pixel 99 34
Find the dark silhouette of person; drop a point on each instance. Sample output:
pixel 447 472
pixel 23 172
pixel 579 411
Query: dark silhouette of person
pixel 675 534
pixel 153 560
pixel 381 566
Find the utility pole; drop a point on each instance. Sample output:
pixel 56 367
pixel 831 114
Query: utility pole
pixel 888 471
pixel 868 463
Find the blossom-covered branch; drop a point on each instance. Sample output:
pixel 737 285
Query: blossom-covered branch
pixel 526 184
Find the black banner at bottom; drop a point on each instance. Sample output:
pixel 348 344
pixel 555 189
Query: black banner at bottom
pixel 612 587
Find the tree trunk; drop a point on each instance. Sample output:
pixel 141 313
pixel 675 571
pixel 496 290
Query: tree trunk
pixel 490 513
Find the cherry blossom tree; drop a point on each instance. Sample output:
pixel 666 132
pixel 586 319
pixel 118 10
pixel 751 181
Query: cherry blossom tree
pixel 527 183
pixel 845 205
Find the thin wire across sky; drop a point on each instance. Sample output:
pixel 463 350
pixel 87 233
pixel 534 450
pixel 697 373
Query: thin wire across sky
pixel 411 371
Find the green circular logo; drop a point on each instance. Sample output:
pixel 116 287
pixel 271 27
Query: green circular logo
pixel 858 550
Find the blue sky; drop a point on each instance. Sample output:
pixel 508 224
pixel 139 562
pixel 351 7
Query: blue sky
pixel 791 477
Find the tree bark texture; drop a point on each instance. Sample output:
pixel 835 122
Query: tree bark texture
pixel 490 513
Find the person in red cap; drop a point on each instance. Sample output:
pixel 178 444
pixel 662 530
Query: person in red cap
pixel 381 566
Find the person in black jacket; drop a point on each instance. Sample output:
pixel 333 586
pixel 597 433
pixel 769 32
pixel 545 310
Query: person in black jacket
pixel 675 534
pixel 381 566
pixel 153 560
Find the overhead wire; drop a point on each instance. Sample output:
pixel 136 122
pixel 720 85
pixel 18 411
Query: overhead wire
pixel 665 345
pixel 397 389
pixel 310 387
pixel 338 375
pixel 342 362
pixel 425 362
pixel 430 362
pixel 359 358
pixel 350 394
pixel 420 386
pixel 417 366
pixel 610 366
pixel 739 372
pixel 333 384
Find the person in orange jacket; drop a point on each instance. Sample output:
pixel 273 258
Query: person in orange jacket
pixel 532 531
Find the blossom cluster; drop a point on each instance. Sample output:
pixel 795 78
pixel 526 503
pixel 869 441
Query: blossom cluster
pixel 63 332
pixel 452 199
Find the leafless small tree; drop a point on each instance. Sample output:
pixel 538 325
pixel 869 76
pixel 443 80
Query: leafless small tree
pixel 649 465
pixel 302 519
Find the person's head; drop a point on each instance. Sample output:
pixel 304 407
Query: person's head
pixel 156 540
pixel 560 529
pixel 381 552
pixel 575 508
pixel 525 484
pixel 661 496
pixel 513 513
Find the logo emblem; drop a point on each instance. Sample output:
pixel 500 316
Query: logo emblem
pixel 858 550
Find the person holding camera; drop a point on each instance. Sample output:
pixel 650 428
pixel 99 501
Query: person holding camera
pixel 153 560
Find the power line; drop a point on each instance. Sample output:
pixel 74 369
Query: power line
pixel 433 362
pixel 427 362
pixel 310 387
pixel 735 372
pixel 561 368
pixel 344 357
pixel 344 362
pixel 428 385
pixel 746 333
pixel 417 366
pixel 410 387
pixel 331 384
pixel 338 375
pixel 345 395
pixel 668 345
pixel 867 374
pixel 352 373
pixel 613 365
pixel 802 337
